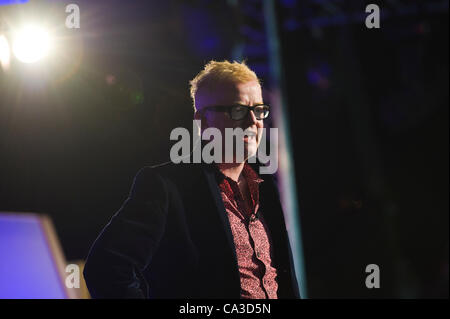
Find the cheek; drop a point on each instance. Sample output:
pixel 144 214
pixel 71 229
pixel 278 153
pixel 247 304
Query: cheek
pixel 226 122
pixel 260 127
pixel 212 120
pixel 219 121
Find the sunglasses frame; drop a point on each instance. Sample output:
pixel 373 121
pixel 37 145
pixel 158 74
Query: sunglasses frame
pixel 228 109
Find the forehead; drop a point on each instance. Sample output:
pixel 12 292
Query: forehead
pixel 229 93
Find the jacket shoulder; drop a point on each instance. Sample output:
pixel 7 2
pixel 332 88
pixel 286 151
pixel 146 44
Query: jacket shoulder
pixel 166 170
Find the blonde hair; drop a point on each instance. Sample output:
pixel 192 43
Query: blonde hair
pixel 216 72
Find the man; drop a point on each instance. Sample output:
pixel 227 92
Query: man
pixel 201 230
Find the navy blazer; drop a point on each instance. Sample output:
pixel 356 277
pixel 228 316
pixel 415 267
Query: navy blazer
pixel 172 239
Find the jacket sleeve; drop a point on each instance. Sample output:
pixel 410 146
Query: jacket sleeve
pixel 127 243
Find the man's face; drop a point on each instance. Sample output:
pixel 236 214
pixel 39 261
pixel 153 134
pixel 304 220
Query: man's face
pixel 249 94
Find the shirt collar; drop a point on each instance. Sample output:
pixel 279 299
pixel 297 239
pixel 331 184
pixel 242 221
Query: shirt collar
pixel 248 171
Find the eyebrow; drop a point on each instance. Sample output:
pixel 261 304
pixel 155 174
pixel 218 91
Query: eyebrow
pixel 257 103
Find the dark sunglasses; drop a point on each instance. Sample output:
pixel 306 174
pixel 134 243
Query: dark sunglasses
pixel 238 112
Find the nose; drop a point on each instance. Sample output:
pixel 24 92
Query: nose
pixel 251 118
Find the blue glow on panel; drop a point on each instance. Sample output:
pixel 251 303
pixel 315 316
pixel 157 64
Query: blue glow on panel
pixel 27 268
pixel 202 32
pixel 6 2
pixel 288 187
pixel 289 3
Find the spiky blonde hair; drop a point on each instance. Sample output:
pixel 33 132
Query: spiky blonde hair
pixel 216 72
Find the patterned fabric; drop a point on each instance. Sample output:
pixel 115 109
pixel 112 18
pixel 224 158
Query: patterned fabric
pixel 251 237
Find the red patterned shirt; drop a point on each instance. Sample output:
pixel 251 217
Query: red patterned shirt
pixel 251 237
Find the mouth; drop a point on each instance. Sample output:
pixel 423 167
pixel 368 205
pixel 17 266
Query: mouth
pixel 250 136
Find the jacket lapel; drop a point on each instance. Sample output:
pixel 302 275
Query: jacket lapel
pixel 274 218
pixel 211 233
pixel 210 176
pixel 220 231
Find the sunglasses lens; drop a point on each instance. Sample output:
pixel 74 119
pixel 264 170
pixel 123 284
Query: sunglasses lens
pixel 261 112
pixel 239 112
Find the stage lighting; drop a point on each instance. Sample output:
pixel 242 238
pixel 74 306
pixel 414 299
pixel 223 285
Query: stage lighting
pixel 9 2
pixel 31 44
pixel 4 52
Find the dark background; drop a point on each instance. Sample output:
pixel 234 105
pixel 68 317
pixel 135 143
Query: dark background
pixel 368 111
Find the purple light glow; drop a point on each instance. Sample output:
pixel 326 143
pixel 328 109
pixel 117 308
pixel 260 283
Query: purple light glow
pixel 27 268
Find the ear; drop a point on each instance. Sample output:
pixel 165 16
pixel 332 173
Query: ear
pixel 202 118
pixel 197 115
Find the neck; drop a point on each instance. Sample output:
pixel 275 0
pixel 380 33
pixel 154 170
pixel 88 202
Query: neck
pixel 231 170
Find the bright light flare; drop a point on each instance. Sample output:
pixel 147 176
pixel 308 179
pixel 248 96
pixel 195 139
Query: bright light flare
pixel 5 53
pixel 31 44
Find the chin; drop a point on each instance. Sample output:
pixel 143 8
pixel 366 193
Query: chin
pixel 251 150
